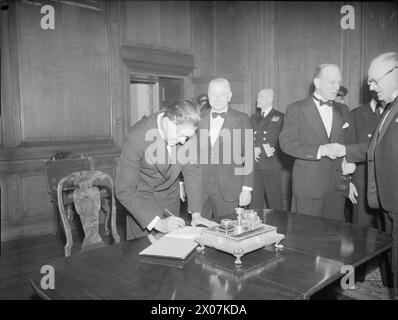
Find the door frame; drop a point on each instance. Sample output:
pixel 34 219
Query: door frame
pixel 152 62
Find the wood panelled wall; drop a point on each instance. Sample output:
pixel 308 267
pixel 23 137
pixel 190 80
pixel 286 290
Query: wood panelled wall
pixel 65 89
pixel 279 44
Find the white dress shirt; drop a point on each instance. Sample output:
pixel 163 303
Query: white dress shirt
pixel 215 128
pixel 160 115
pixel 326 113
pixel 216 125
pixel 373 105
pixel 266 112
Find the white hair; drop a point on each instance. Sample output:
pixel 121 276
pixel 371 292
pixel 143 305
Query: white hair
pixel 222 81
pixel 387 57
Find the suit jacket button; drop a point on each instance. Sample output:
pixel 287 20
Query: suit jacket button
pixel 370 135
pixel 265 132
pixel 255 132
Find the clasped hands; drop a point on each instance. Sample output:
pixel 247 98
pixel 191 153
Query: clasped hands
pixel 332 150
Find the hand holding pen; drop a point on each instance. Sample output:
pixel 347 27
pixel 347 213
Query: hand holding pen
pixel 170 223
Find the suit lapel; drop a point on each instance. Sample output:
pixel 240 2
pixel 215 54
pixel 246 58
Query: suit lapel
pixel 268 118
pixel 314 118
pixel 337 124
pixel 390 116
pixel 378 136
pixel 162 164
pixel 257 120
pixel 367 113
pixel 372 195
pixel 260 122
pixel 175 167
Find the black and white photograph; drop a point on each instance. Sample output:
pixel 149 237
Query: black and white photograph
pixel 198 157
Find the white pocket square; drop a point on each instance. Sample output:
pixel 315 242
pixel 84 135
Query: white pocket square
pixel 396 120
pixel 346 125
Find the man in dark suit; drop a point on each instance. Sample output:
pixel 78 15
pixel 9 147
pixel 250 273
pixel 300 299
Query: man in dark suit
pixel 226 152
pixel 364 120
pixel 147 173
pixel 268 166
pixel 363 123
pixel 382 153
pixel 310 129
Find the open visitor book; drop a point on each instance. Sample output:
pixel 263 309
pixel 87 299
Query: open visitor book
pixel 177 244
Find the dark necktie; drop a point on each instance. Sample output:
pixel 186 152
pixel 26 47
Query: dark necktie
pixel 379 108
pixel 218 114
pixel 388 106
pixel 321 103
pixel 264 114
pixel 385 114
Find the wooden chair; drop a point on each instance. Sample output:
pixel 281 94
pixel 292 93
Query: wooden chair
pixel 59 166
pixel 86 196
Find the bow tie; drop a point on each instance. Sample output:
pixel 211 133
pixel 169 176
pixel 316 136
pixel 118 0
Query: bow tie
pixel 218 114
pixel 321 103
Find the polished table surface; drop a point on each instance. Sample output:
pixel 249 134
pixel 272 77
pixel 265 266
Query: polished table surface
pixel 315 250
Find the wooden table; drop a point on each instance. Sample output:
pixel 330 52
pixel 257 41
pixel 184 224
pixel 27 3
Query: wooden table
pixel 315 250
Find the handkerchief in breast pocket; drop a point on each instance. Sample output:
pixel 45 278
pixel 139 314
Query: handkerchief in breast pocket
pixel 346 125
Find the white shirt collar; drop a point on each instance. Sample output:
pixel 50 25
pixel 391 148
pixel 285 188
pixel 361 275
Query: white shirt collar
pixel 318 97
pixel 373 105
pixel 266 112
pixel 317 103
pixel 160 115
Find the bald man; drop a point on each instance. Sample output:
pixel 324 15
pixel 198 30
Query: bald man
pixel 311 129
pixel 382 153
pixel 267 126
pixel 227 181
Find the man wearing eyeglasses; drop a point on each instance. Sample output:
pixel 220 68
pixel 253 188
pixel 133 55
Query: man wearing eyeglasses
pixel 382 153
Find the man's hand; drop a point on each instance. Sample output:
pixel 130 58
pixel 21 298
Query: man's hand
pixel 338 149
pixel 325 150
pixel 346 167
pixel 245 197
pixel 332 150
pixel 169 224
pixel 353 193
pixel 197 219
pixel 182 192
pixel 257 152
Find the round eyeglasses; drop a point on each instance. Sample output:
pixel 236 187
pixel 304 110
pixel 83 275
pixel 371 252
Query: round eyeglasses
pixel 376 82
